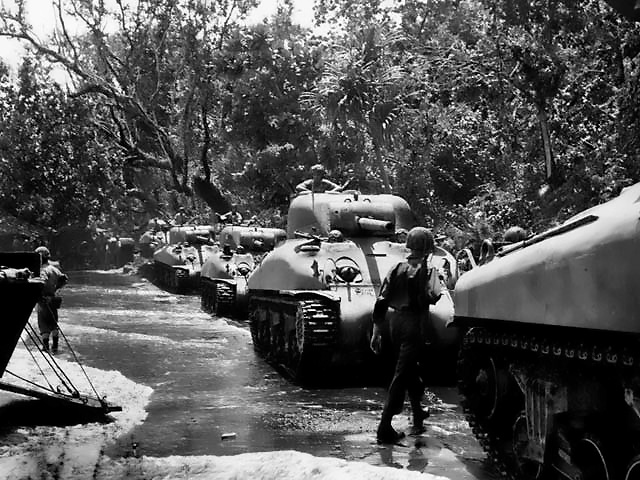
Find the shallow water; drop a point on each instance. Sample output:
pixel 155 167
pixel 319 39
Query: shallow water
pixel 208 382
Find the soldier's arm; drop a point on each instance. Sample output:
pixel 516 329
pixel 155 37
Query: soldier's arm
pixel 331 186
pixel 304 186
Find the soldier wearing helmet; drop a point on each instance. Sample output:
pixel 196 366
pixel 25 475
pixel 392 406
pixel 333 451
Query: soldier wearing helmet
pixel 335 236
pixel 49 302
pixel 406 291
pixel 233 216
pixel 318 184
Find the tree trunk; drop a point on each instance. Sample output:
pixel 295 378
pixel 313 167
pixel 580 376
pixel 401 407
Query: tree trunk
pixel 546 140
pixel 386 186
pixel 210 194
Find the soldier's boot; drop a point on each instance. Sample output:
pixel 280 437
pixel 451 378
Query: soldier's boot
pixel 419 416
pixel 54 346
pixel 45 344
pixel 386 434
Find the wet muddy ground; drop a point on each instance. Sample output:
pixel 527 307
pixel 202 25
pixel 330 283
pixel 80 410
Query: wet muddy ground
pixel 212 395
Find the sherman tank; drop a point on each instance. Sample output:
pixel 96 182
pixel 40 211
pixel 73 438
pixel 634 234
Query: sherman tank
pixel 311 298
pixel 177 264
pixel 549 367
pixel 223 279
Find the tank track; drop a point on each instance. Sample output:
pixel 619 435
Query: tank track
pixel 225 298
pixel 296 336
pixel 217 297
pixel 588 354
pixel 175 280
pixel 207 292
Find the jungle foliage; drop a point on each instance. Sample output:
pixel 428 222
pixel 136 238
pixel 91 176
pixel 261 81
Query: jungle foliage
pixel 482 113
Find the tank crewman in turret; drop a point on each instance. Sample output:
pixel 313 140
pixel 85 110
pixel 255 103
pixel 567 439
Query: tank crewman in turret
pixel 49 303
pixel 180 217
pixel 335 236
pixel 317 183
pixel 408 290
pixel 234 217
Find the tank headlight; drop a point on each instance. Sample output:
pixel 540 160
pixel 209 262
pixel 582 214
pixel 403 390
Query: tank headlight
pixel 347 273
pixel 347 270
pixel 244 269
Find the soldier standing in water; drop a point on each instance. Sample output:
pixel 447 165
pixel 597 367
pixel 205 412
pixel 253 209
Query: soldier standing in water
pixel 49 303
pixel 407 290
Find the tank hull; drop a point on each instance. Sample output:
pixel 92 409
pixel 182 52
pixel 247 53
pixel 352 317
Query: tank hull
pixel 328 318
pixel 177 267
pixel 549 367
pixel 223 284
pixel 223 278
pixel 584 278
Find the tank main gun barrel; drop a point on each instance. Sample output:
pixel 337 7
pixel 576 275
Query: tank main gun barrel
pixel 374 225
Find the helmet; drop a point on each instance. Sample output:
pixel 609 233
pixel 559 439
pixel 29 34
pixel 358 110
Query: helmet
pixel 515 234
pixel 44 252
pixel 336 236
pixel 239 249
pixel 420 239
pixel 401 235
pixel 317 168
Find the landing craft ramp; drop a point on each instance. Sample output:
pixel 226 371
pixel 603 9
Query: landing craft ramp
pixel 20 290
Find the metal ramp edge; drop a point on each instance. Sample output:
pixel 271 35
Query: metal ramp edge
pixel 83 402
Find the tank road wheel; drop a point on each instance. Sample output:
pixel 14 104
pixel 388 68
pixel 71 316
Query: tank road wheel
pixel 293 352
pixel 526 465
pixel 633 469
pixel 297 344
pixel 484 384
pixel 589 457
pixel 277 338
pixel 260 331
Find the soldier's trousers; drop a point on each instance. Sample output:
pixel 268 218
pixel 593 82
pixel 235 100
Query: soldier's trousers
pixel 406 338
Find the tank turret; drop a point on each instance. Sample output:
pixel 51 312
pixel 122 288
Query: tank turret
pixel 311 299
pixel 223 279
pixel 177 265
pixel 549 367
